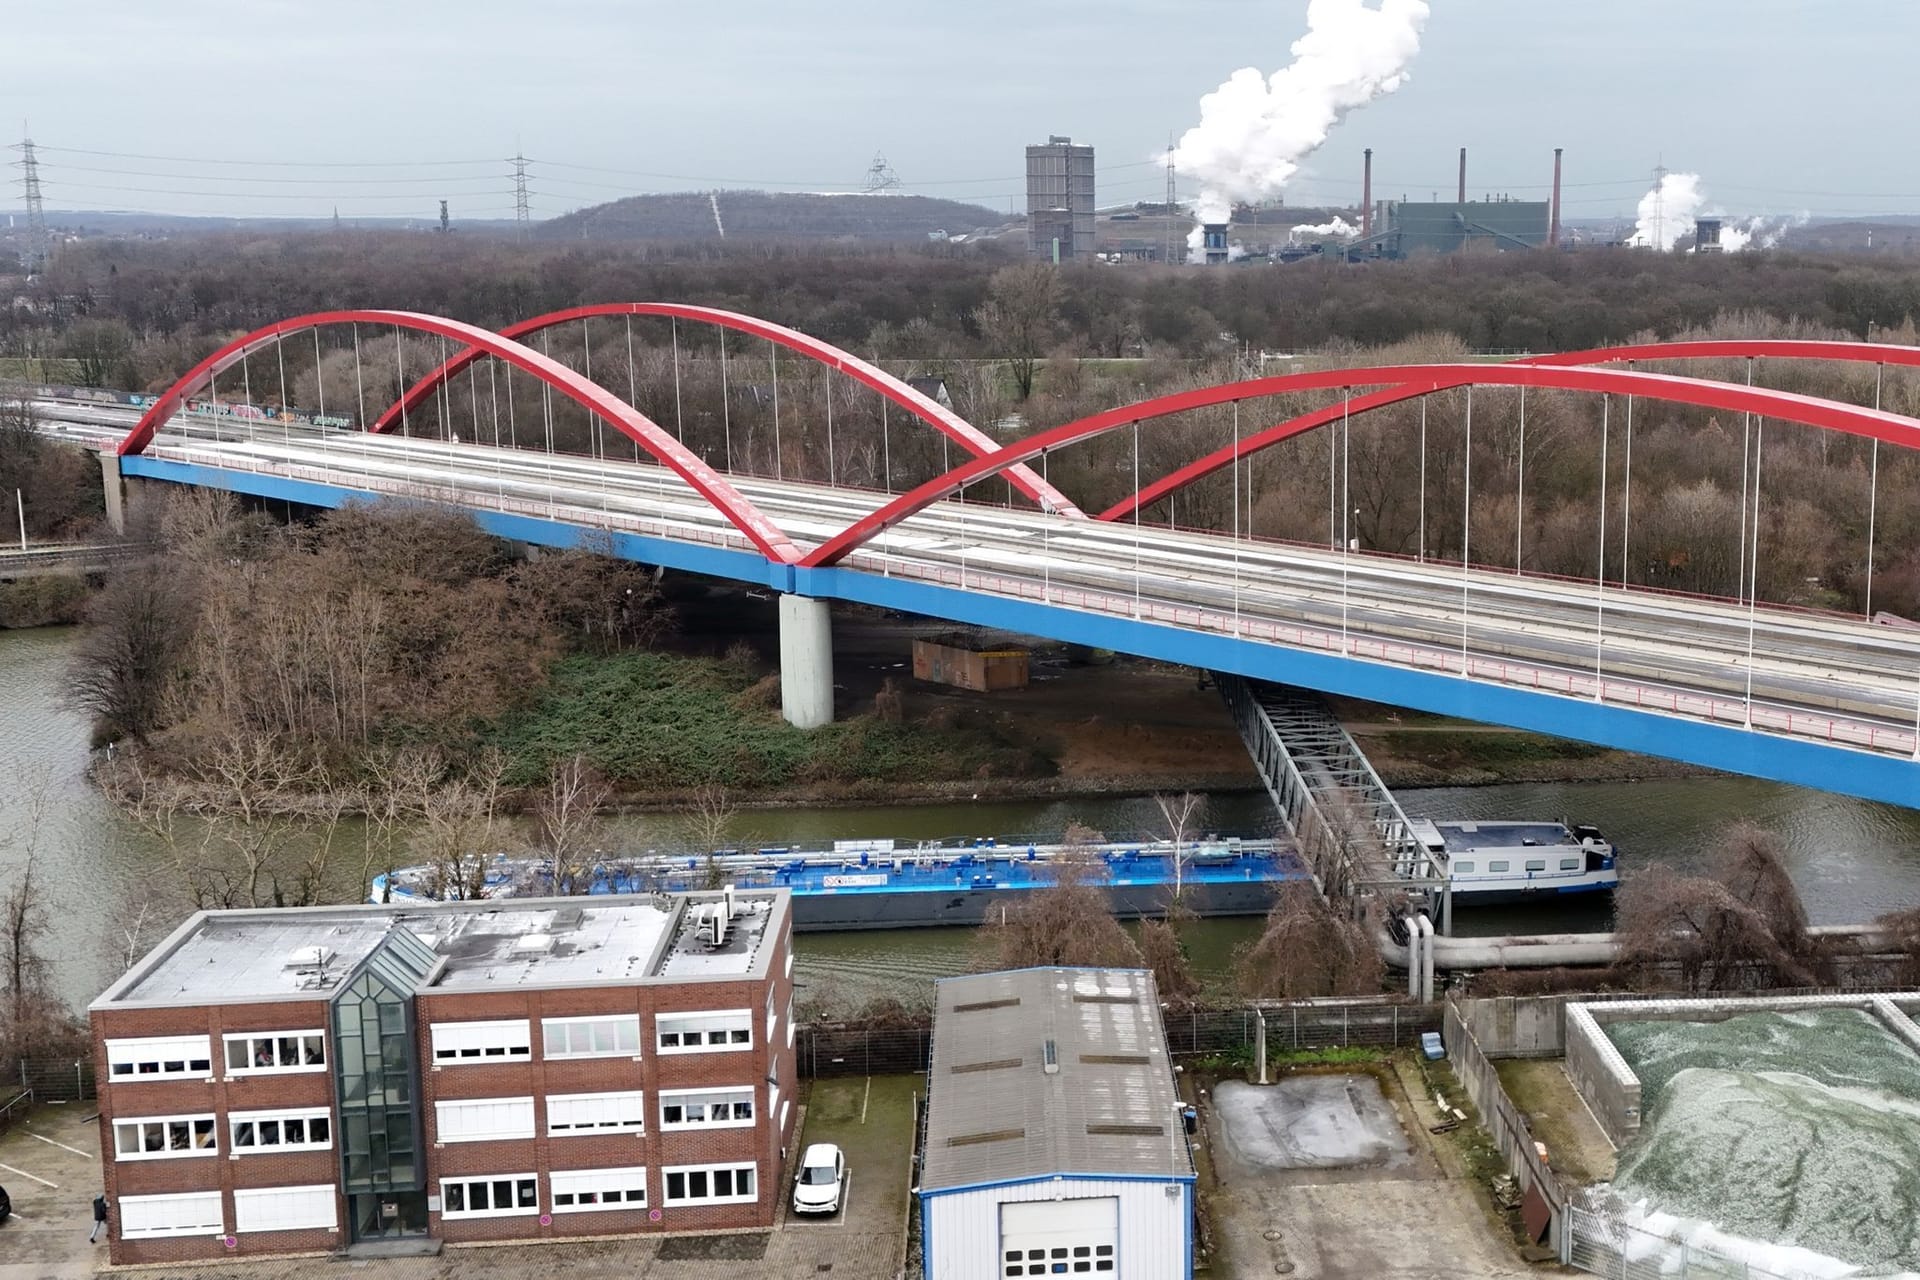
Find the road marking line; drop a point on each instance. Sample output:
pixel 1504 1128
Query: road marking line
pixel 31 1177
pixel 50 1142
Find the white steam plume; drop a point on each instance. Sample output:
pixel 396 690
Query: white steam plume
pixel 1339 228
pixel 1666 215
pixel 1667 212
pixel 1758 232
pixel 1255 129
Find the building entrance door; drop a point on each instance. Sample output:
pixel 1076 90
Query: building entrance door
pixel 391 1215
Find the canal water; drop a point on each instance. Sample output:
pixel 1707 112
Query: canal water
pixel 1852 859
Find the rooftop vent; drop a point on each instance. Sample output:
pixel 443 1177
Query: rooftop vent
pixel 566 918
pixel 534 944
pixel 309 957
pixel 1051 1059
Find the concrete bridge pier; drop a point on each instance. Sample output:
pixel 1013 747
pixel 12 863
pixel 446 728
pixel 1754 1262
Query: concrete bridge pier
pixel 806 661
pixel 115 490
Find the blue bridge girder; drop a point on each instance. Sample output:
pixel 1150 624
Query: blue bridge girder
pixel 1834 700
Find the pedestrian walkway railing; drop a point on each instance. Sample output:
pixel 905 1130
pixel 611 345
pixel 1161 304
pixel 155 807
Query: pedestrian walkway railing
pixel 15 1108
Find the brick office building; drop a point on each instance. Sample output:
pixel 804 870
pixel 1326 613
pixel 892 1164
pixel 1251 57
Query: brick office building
pixel 311 1079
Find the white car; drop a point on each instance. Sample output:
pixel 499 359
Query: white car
pixel 816 1187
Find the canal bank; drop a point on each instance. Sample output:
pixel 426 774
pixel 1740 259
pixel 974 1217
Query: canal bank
pixel 1852 860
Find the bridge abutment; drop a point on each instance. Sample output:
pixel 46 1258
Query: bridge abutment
pixel 115 489
pixel 806 661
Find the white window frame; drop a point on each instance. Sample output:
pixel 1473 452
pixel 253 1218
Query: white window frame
pixel 466 1044
pixel 272 1040
pixel 1535 866
pixel 1499 866
pixel 321 1193
pixel 184 1051
pixel 1570 864
pixel 618 1106
pixel 482 1119
pixel 621 1021
pixel 789 958
pixel 306 1115
pixel 773 1018
pixel 207 1214
pixel 728 1096
pixel 599 1182
pixel 705 1023
pixel 792 1026
pixel 161 1123
pixel 687 1171
pixel 517 1210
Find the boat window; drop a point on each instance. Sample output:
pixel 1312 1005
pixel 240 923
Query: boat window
pixel 1464 868
pixel 1536 864
pixel 1569 864
pixel 1497 866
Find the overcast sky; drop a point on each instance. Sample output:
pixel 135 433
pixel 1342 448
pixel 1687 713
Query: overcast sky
pixel 1780 105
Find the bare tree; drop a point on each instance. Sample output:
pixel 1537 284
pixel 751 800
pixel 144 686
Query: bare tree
pixel 566 822
pixel 707 827
pixel 392 788
pixel 1163 952
pixel 1307 949
pixel 1180 818
pixel 1020 318
pixel 139 628
pixel 460 827
pixel 1067 922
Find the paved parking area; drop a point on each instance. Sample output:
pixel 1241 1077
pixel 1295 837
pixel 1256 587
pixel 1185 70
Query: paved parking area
pixel 1339 1179
pixel 871 1121
pixel 50 1166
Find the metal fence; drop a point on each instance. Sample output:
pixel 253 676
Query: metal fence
pixel 838 1049
pixel 53 1079
pixel 1504 1121
pixel 1606 1245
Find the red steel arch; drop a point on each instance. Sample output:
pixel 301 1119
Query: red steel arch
pixel 763 533
pixel 1407 381
pixel 1734 348
pixel 923 407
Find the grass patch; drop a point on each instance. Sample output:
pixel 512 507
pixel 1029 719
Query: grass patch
pixel 658 722
pixel 58 370
pixel 1332 1056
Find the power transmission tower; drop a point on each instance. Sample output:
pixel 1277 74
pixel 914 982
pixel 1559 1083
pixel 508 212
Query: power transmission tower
pixel 880 175
pixel 38 251
pixel 1173 202
pixel 522 211
pixel 1660 207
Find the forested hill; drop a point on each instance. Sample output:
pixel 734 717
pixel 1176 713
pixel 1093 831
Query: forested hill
pixel 770 215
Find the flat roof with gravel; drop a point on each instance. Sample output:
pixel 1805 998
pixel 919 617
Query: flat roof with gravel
pixel 306 953
pixel 1051 1071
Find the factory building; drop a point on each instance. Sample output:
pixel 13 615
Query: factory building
pixel 1413 227
pixel 1060 200
pixel 326 1078
pixel 1056 1141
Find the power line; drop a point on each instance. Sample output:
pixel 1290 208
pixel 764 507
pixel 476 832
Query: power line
pixel 273 164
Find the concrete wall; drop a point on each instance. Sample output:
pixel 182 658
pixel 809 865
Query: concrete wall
pixel 1518 1026
pixel 1504 1121
pixel 1602 1076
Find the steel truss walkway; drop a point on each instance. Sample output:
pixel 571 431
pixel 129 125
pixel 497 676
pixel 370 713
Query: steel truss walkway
pixel 1347 825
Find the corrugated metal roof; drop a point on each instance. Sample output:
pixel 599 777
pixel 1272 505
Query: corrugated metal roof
pixel 996 1113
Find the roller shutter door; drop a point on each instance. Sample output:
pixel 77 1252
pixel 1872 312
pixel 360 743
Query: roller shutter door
pixel 1059 1238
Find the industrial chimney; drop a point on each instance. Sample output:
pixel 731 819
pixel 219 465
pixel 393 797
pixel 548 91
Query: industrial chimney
pixel 1366 194
pixel 1463 175
pixel 1553 214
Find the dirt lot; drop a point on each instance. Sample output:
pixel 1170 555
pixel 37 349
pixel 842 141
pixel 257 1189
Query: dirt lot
pixel 1576 1145
pixel 872 1123
pixel 1335 1177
